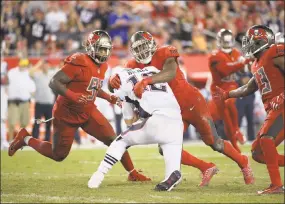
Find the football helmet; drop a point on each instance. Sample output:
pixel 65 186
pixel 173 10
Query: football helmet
pixel 225 40
pixel 257 38
pixel 98 46
pixel 142 46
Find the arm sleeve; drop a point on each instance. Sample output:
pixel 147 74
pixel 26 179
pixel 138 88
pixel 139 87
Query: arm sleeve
pixel 276 50
pixel 225 68
pixel 128 110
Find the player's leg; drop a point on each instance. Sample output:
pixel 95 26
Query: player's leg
pixel 58 151
pixel 48 115
pixel 171 138
pixel 13 119
pixel 99 127
pixel 38 115
pixel 136 134
pixel 273 125
pixel 4 108
pixel 203 122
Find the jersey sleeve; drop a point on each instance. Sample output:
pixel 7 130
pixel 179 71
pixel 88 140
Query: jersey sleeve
pixel 71 70
pixel 73 65
pixel 128 110
pixel 171 51
pixel 276 50
pixel 131 64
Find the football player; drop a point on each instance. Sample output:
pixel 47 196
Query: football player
pixel 78 83
pixel 223 64
pixel 193 106
pixel 268 70
pixel 157 107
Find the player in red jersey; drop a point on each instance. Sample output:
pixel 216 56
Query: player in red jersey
pixel 193 106
pixel 78 83
pixel 268 70
pixel 223 64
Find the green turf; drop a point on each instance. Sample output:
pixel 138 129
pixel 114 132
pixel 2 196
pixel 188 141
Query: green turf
pixel 30 177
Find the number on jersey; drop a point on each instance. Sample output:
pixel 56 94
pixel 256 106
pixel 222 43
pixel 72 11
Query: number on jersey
pixel 94 85
pixel 264 81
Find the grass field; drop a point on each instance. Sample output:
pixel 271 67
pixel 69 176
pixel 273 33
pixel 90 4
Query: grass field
pixel 31 178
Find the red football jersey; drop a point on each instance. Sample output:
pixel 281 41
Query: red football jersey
pixel 268 77
pixel 86 78
pixel 223 67
pixel 179 85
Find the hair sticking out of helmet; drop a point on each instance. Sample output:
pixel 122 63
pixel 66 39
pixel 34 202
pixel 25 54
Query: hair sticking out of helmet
pixel 225 40
pixel 98 46
pixel 142 46
pixel 257 39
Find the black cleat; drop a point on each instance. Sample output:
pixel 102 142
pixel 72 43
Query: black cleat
pixel 169 183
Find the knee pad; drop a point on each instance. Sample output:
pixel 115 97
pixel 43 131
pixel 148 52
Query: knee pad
pixel 257 156
pixel 218 145
pixel 109 140
pixel 59 158
pixel 160 150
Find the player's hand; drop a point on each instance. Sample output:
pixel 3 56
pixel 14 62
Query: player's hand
pixel 220 94
pixel 115 81
pixel 277 102
pixel 115 100
pixel 140 86
pixel 76 97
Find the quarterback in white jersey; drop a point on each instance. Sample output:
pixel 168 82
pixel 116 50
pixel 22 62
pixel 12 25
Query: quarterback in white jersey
pixel 153 119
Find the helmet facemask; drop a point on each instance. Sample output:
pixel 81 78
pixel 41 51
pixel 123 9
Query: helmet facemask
pixel 143 50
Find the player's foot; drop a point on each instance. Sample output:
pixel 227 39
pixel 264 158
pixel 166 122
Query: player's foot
pixel 96 180
pixel 168 184
pixel 240 137
pixel 137 176
pixel 207 176
pixel 247 173
pixel 18 142
pixel 272 190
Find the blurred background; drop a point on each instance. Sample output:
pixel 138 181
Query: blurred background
pixel 37 35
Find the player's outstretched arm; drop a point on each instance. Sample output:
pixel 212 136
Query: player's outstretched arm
pixel 244 90
pixel 58 86
pixel 167 74
pixel 110 98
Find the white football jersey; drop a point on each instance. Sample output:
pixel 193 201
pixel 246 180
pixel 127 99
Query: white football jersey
pixel 156 99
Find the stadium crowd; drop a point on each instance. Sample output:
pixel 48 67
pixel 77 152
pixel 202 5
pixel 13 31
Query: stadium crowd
pixel 55 29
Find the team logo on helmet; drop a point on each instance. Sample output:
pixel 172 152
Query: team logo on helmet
pixel 147 36
pixel 93 38
pixel 256 32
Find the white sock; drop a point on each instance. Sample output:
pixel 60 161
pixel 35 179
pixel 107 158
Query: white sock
pixel 172 158
pixel 27 139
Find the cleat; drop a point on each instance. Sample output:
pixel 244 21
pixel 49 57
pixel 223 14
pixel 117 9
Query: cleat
pixel 96 180
pixel 137 176
pixel 207 176
pixel 247 173
pixel 240 137
pixel 167 185
pixel 272 190
pixel 18 142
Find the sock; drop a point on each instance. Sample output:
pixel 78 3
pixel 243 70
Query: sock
pixel 42 147
pixel 108 162
pixel 27 139
pixel 172 158
pixel 271 159
pixel 127 162
pixel 236 156
pixel 190 160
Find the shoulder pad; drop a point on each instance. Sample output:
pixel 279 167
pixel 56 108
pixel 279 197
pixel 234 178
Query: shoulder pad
pixel 77 59
pixel 276 50
pixel 131 64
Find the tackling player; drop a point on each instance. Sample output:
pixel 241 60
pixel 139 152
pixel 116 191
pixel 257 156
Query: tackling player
pixel 223 64
pixel 268 70
pixel 193 106
pixel 78 83
pixel 156 107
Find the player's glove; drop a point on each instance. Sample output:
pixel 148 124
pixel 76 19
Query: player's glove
pixel 115 82
pixel 140 86
pixel 277 101
pixel 76 97
pixel 115 100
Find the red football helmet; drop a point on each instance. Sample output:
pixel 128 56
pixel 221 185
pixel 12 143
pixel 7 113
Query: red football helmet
pixel 225 40
pixel 142 46
pixel 257 38
pixel 98 46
